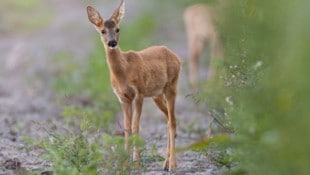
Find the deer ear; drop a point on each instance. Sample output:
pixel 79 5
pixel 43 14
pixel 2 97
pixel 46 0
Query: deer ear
pixel 119 12
pixel 94 16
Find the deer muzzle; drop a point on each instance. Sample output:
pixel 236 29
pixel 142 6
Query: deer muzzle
pixel 112 43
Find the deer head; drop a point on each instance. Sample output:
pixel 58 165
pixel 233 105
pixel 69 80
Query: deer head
pixel 108 29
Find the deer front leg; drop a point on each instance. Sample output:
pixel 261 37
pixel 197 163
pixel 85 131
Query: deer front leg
pixel 138 103
pixel 127 110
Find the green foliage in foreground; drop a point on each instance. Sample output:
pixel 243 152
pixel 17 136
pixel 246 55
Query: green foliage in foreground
pixel 264 85
pixel 79 154
pixel 72 155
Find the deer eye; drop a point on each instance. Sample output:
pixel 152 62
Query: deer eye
pixel 103 32
pixel 117 30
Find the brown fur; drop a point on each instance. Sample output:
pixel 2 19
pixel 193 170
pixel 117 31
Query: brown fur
pixel 152 72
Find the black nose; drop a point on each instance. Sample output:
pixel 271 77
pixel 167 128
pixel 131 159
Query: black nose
pixel 112 43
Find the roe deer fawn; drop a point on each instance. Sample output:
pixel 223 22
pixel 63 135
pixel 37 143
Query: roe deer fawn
pixel 199 24
pixel 152 72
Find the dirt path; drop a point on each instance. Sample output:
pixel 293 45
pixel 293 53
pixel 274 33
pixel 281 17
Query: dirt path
pixel 27 102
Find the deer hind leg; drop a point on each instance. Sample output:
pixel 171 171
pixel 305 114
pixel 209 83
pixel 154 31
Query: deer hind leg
pixel 138 103
pixel 170 162
pixel 162 105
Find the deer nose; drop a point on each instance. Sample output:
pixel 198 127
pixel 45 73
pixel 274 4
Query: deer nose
pixel 112 43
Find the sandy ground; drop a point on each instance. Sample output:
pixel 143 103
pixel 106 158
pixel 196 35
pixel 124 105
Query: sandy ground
pixel 28 102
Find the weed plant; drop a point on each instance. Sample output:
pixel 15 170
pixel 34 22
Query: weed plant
pixel 78 154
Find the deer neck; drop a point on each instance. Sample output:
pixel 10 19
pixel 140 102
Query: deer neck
pixel 116 62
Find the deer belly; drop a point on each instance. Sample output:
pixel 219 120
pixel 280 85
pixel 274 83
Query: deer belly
pixel 154 91
pixel 155 85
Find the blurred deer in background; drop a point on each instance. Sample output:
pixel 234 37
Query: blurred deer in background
pixel 199 24
pixel 152 72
